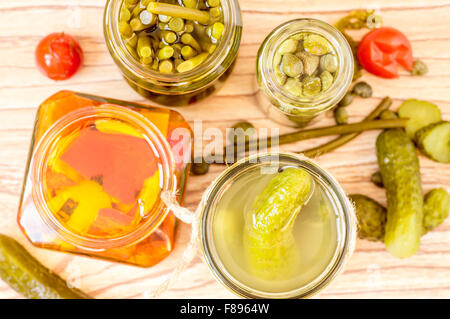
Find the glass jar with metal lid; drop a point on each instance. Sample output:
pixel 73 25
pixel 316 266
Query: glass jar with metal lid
pixel 322 60
pixel 222 221
pixel 176 88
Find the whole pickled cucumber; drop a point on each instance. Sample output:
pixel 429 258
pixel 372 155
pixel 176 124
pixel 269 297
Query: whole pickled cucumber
pixel 268 238
pixel 29 277
pixel 399 168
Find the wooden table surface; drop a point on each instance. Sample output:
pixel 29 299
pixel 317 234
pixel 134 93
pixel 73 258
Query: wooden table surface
pixel 371 272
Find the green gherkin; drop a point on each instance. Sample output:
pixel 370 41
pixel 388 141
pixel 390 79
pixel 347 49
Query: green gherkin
pixel 268 238
pixel 435 209
pixel 371 217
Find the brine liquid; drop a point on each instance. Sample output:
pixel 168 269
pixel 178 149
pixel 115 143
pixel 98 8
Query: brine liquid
pixel 315 234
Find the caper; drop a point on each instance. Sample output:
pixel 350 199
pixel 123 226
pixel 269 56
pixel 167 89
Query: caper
pixel 311 86
pixel 316 44
pixel 347 99
pixel 293 86
pixel 241 128
pixel 329 63
pixel 362 89
pixel 279 75
pixel 291 65
pixel 299 36
pixel 419 68
pixel 388 115
pixel 340 115
pixel 377 179
pixel 327 80
pixel 199 167
pixel 288 46
pixel 310 62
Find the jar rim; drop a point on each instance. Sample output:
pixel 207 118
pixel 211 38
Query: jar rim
pixel 214 66
pixel 325 100
pixel 42 154
pixel 343 250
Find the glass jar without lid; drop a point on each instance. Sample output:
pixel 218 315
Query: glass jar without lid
pixel 323 232
pixel 304 67
pixel 175 88
pixel 96 169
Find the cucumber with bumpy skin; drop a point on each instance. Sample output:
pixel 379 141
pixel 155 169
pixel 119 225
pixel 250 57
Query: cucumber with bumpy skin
pixel 420 114
pixel 29 277
pixel 435 209
pixel 371 217
pixel 268 238
pixel 434 141
pixel 399 167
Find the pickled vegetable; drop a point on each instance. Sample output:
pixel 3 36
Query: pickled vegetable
pixel 419 68
pixel 399 167
pixel 26 275
pixel 347 99
pixel 435 209
pixel 268 234
pixel 340 115
pixel 200 167
pixel 362 89
pixel 420 114
pixel 434 141
pixel 306 58
pixel 195 25
pixel 371 218
pixel 388 115
pixel 377 179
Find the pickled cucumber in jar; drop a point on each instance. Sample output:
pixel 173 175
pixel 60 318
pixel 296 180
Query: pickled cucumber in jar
pixel 308 60
pixel 171 36
pixel 277 235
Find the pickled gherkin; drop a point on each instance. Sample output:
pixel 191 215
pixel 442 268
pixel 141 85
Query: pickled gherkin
pixel 29 277
pixel 268 237
pixel 399 168
pixel 307 58
pixel 197 26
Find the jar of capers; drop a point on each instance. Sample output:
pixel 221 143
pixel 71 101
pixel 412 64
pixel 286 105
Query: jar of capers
pixel 304 67
pixel 174 52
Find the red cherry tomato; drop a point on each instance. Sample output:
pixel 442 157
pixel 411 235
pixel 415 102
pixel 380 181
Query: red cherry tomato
pixel 58 56
pixel 382 50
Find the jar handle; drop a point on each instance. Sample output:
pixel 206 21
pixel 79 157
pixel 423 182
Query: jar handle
pixel 188 217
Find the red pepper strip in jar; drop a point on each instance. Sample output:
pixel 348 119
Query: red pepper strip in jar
pixel 108 156
pixel 383 50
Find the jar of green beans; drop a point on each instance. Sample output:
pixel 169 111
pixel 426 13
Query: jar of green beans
pixel 174 52
pixel 304 67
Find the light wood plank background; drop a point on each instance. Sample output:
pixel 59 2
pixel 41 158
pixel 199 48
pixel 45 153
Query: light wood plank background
pixel 371 273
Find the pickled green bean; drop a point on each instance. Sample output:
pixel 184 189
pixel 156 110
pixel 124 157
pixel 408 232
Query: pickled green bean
pixel 137 25
pixel 188 65
pixel 188 52
pixel 215 31
pixel 188 39
pixel 169 36
pixel 179 12
pixel 125 29
pixel 144 48
pixel 176 24
pixel 213 3
pixel 166 66
pixel 165 53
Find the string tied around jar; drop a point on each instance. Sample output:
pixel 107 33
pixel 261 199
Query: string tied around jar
pixel 189 217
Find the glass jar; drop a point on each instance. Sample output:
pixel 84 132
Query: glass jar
pixel 284 107
pixel 178 88
pixel 83 189
pixel 224 268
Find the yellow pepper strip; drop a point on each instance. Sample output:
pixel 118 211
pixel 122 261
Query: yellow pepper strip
pixel 116 127
pixel 149 194
pixel 85 200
